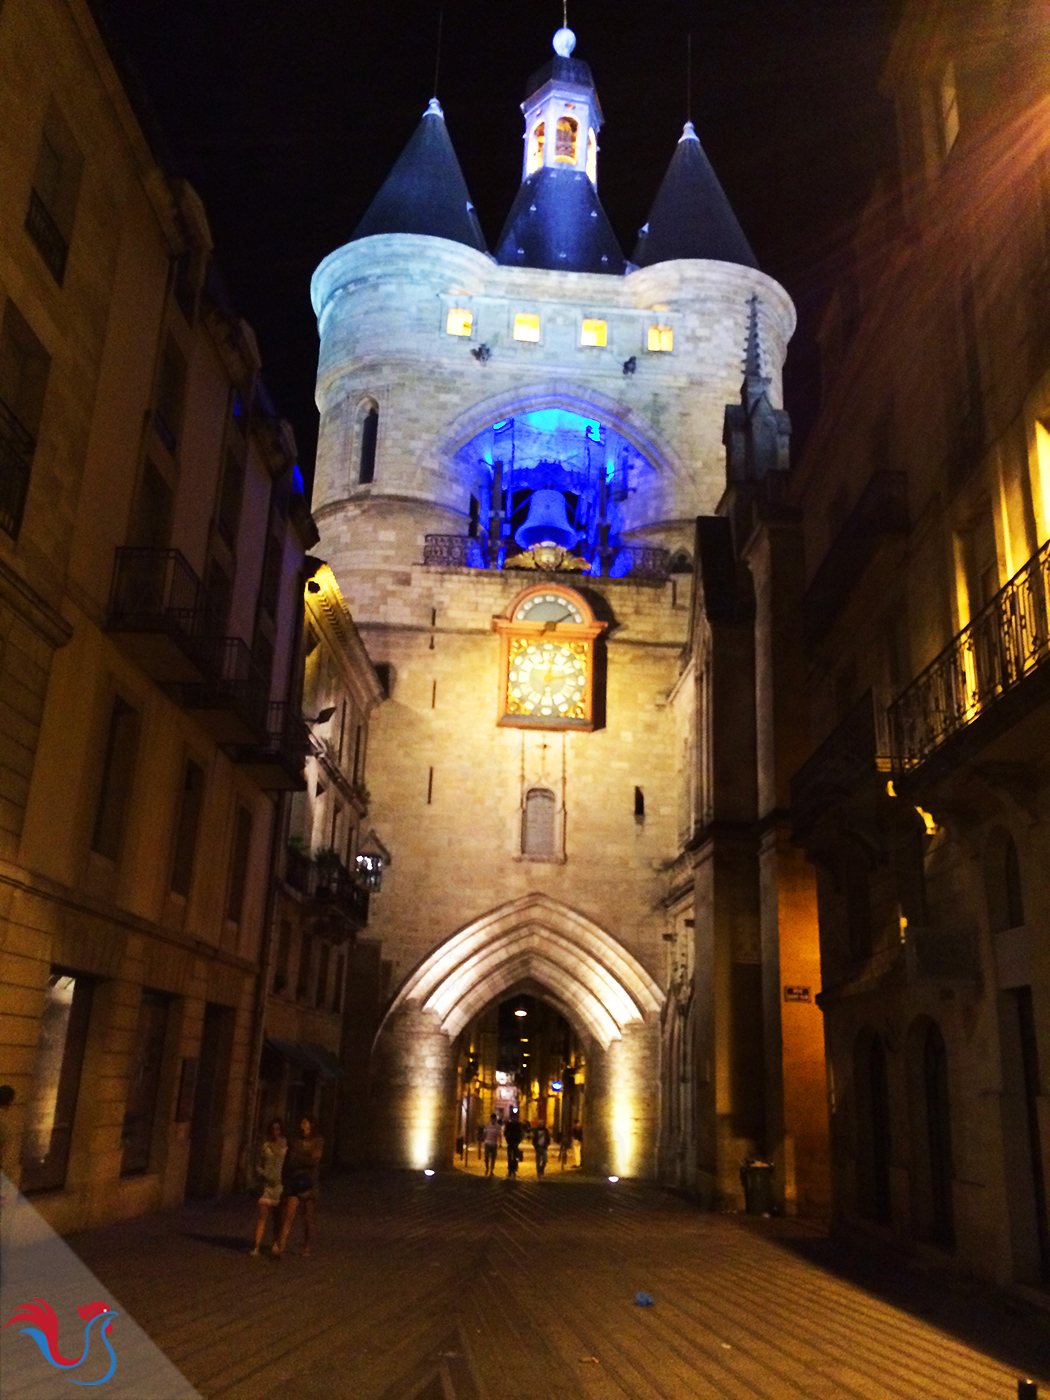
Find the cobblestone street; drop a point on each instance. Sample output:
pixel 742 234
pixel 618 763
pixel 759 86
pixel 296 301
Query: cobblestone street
pixel 460 1288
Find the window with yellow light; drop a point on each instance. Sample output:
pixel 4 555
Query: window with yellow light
pixel 661 338
pixel 594 332
pixel 527 325
pixel 459 321
pixel 565 140
pixel 535 148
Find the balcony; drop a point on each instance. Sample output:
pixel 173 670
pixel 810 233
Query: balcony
pixel 232 704
pixel 329 889
pixel 155 608
pixel 638 562
pixel 988 679
pixel 881 510
pixel 276 765
pixel 47 236
pixel 16 463
pixel 854 753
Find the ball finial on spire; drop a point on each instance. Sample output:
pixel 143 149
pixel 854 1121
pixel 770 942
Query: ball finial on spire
pixel 564 42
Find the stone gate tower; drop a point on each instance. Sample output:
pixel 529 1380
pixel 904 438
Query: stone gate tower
pixel 514 449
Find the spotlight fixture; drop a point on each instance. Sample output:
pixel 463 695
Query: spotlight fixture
pixel 521 1011
pixel 324 716
pixel 614 1179
pixel 429 1171
pixel 629 366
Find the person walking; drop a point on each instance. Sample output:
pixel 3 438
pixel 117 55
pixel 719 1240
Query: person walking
pixel 490 1136
pixel 513 1133
pixel 269 1169
pixel 541 1141
pixel 302 1173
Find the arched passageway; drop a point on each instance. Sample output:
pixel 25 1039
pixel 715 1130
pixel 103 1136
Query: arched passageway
pixel 539 946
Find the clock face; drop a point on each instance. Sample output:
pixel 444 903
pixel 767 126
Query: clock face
pixel 548 607
pixel 547 680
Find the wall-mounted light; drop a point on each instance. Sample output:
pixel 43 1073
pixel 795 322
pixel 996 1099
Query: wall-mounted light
pixel 322 718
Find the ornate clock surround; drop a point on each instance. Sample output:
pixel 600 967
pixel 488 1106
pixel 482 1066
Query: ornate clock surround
pixel 546 667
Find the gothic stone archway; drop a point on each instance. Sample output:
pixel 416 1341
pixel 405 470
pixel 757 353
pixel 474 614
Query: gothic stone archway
pixel 583 972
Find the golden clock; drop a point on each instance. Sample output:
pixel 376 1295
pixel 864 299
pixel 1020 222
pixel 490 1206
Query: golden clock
pixel 547 660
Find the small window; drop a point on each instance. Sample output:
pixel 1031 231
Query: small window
pixel 118 770
pixel 661 338
pixel 321 995
pixel 537 824
pixel 230 498
pixel 565 140
pixel 535 148
pixel 949 104
pixel 459 321
pixel 53 197
pixel 592 157
pixel 242 841
pixel 527 326
pixel 151 518
pixel 369 438
pixel 594 333
pixel 187 827
pixel 171 390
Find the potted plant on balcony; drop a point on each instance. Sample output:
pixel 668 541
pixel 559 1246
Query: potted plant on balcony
pixel 328 866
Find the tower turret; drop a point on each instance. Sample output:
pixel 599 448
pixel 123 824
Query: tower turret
pixel 557 221
pixel 425 192
pixel 691 216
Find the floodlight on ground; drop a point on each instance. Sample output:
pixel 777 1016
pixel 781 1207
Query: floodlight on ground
pixel 614 1179
pixel 428 1171
pixel 521 1011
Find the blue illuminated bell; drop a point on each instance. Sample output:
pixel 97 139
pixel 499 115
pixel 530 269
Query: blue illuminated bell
pixel 547 522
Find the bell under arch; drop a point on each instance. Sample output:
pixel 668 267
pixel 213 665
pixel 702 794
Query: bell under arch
pixel 535 943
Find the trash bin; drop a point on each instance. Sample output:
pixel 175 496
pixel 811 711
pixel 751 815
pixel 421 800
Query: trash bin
pixel 757 1180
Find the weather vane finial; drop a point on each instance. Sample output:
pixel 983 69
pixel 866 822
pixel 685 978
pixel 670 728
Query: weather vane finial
pixel 564 40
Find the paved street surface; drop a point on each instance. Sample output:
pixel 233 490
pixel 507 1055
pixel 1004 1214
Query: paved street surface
pixel 459 1288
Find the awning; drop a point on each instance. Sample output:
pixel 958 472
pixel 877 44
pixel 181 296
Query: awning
pixel 308 1055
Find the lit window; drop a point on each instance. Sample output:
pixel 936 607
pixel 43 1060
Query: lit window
pixel 593 333
pixel 536 148
pixel 460 321
pixel 592 157
pixel 661 338
pixel 527 325
pixel 565 140
pixel 949 108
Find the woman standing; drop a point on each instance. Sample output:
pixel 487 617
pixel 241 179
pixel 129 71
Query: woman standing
pixel 302 1170
pixel 269 1169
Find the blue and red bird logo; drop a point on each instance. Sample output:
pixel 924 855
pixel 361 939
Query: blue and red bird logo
pixel 42 1326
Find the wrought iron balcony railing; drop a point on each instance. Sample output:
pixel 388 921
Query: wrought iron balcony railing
pixel 1003 644
pixel 233 702
pixel 16 463
pixel 882 509
pixel 276 763
pixel 855 751
pixel 156 602
pixel 328 883
pixel 623 561
pixel 47 236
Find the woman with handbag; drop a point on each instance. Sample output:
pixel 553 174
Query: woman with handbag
pixel 302 1170
pixel 269 1171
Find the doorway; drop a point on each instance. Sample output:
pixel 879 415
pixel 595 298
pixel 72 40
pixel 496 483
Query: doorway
pixel 204 1174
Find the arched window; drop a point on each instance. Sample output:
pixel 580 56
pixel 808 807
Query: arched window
pixel 535 148
pixel 537 824
pixel 873 1127
pixel 369 435
pixel 1002 881
pixel 565 140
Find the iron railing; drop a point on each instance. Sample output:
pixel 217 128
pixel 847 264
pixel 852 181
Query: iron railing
pixel 330 883
pixel 855 751
pixel 882 509
pixel 622 561
pixel 155 589
pixel 1003 643
pixel 48 237
pixel 235 681
pixel 16 463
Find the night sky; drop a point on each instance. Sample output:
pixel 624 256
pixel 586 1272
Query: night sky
pixel 286 116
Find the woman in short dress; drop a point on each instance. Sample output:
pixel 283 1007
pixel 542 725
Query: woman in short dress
pixel 269 1173
pixel 302 1171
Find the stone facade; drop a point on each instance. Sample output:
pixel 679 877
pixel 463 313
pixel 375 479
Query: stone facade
pixel 924 805
pixel 153 532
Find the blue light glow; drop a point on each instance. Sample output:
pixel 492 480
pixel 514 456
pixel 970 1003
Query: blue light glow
pixel 297 480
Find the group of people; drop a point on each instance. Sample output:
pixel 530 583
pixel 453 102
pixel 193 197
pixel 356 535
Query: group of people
pixel 513 1131
pixel 287 1175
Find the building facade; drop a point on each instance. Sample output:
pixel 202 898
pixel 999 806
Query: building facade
pixel 151 570
pixel 514 450
pixel 923 496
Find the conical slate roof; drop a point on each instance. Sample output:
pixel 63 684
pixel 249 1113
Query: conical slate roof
pixel 691 217
pixel 425 191
pixel 557 222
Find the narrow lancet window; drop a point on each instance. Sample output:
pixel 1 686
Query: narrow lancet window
pixel 537 824
pixel 565 140
pixel 369 435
